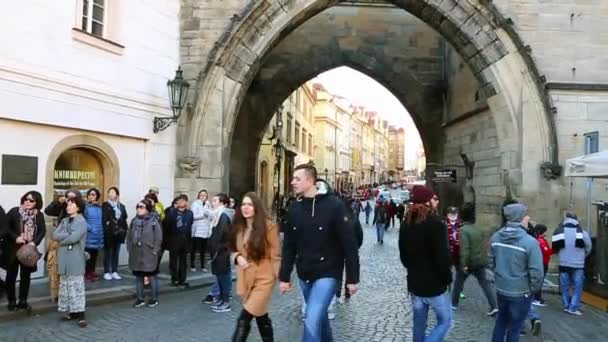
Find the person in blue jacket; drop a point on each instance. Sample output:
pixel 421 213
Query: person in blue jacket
pixel 94 242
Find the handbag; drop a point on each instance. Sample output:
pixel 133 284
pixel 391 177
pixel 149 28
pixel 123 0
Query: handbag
pixel 28 255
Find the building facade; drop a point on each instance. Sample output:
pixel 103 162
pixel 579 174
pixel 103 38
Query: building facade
pixel 396 160
pixel 77 104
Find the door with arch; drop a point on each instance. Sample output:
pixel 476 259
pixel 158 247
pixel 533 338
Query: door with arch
pixel 78 168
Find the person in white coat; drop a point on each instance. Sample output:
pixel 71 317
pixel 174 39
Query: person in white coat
pixel 201 229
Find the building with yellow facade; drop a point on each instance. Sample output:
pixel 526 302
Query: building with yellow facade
pixel 396 160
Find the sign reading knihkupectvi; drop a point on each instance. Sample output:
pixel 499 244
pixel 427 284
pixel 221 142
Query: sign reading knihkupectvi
pixel 19 170
pixel 444 176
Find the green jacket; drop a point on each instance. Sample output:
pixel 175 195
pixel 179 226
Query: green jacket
pixel 472 247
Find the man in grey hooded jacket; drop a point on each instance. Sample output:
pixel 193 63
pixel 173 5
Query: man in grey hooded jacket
pixel 516 260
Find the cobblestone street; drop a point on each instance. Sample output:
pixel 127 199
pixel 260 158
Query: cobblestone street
pixel 379 312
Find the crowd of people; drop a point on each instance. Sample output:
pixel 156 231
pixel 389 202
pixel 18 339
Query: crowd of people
pixel 321 236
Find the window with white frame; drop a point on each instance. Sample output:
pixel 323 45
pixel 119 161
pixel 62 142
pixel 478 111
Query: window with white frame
pixel 93 16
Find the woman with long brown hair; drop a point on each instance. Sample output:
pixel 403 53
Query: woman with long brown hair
pixel 424 252
pixel 256 252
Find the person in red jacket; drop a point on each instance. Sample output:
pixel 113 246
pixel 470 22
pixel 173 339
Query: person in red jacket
pixel 545 248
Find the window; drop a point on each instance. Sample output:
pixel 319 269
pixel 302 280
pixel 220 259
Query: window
pixel 591 142
pixel 297 135
pixel 289 118
pixel 310 144
pixel 304 140
pixel 93 17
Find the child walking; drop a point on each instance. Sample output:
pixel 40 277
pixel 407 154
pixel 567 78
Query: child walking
pixel 545 248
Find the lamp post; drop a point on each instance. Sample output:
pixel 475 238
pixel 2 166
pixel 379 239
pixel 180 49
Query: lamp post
pixel 178 93
pixel 326 175
pixel 277 149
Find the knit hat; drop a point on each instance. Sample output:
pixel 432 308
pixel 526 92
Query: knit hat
pixel 154 189
pixel 515 212
pixel 422 194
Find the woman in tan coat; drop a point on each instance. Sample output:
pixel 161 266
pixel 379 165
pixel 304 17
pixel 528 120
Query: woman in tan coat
pixel 256 252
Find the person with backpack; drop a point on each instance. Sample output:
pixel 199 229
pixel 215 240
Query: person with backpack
pixel 381 221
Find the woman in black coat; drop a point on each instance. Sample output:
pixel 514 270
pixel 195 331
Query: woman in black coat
pixel 25 225
pixel 115 230
pixel 2 254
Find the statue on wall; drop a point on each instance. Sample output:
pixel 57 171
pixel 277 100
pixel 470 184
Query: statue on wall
pixel 189 165
pixel 468 192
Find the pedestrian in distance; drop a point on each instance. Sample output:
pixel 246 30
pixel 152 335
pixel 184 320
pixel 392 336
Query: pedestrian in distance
pixel 25 226
pixel 3 263
pixel 572 245
pixel 201 229
pixel 144 239
pixel 516 260
pixel 56 208
pixel 93 214
pixel 256 251
pixel 368 211
pixel 425 254
pixel 400 212
pixel 115 230
pixel 221 227
pixel 472 260
pixel 358 230
pixel 381 220
pixel 71 236
pixel 545 247
pixel 179 228
pixel 318 239
pixel 392 211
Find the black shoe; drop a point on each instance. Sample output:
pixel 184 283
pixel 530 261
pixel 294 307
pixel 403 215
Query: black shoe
pixel 536 327
pixel 184 285
pixel 23 305
pixel 12 305
pixel 174 283
pixel 241 332
pixel 139 303
pixel 209 300
pixel 266 332
pixel 152 303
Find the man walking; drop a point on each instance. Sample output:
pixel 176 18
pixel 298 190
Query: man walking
pixel 516 260
pixel 573 245
pixel 472 260
pixel 368 211
pixel 179 224
pixel 319 239
pixel 381 220
pixel 423 249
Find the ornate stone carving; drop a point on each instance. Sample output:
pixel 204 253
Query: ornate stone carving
pixel 189 164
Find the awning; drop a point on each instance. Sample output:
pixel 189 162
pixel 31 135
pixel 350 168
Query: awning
pixel 591 165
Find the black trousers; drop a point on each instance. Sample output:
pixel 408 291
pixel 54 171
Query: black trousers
pixel 92 262
pixel 177 259
pixel 11 279
pixel 199 245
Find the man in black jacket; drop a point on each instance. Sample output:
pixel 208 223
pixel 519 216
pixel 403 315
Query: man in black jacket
pixel 179 226
pixel 319 235
pixel 424 251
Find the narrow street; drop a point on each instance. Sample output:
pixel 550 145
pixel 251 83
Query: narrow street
pixel 379 312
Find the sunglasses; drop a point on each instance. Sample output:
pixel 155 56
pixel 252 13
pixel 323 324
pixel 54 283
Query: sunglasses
pixel 141 206
pixel 31 200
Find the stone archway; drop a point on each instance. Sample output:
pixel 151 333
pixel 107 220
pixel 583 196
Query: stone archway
pixel 485 40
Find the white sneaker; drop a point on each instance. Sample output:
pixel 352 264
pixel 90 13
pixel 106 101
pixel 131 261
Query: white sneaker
pixel 107 276
pixel 116 276
pixel 193 270
pixel 205 270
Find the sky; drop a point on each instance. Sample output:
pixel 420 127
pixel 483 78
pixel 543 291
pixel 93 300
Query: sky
pixel 361 89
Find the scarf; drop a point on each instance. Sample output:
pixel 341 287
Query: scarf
pixel 28 220
pixel 454 236
pixel 138 226
pixel 216 216
pixel 116 207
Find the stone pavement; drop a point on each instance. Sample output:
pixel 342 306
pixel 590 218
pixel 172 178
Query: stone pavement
pixel 379 312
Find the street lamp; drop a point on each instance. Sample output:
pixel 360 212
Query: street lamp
pixel 326 174
pixel 178 93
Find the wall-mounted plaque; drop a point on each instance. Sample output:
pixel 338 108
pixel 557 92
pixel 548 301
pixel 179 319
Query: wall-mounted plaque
pixel 19 170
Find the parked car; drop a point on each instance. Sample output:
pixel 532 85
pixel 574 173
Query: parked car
pixel 404 196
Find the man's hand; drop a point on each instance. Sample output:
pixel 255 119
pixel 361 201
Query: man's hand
pixel 284 287
pixel 32 244
pixel 466 269
pixel 352 288
pixel 20 240
pixel 242 262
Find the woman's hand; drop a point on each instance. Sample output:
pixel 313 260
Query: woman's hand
pixel 20 240
pixel 242 262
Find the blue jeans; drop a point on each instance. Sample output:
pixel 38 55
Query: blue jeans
pixel 442 307
pixel 576 278
pixel 533 313
pixel 318 295
pixel 215 289
pixel 110 258
pixel 380 231
pixel 512 313
pixel 139 287
pixel 224 282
